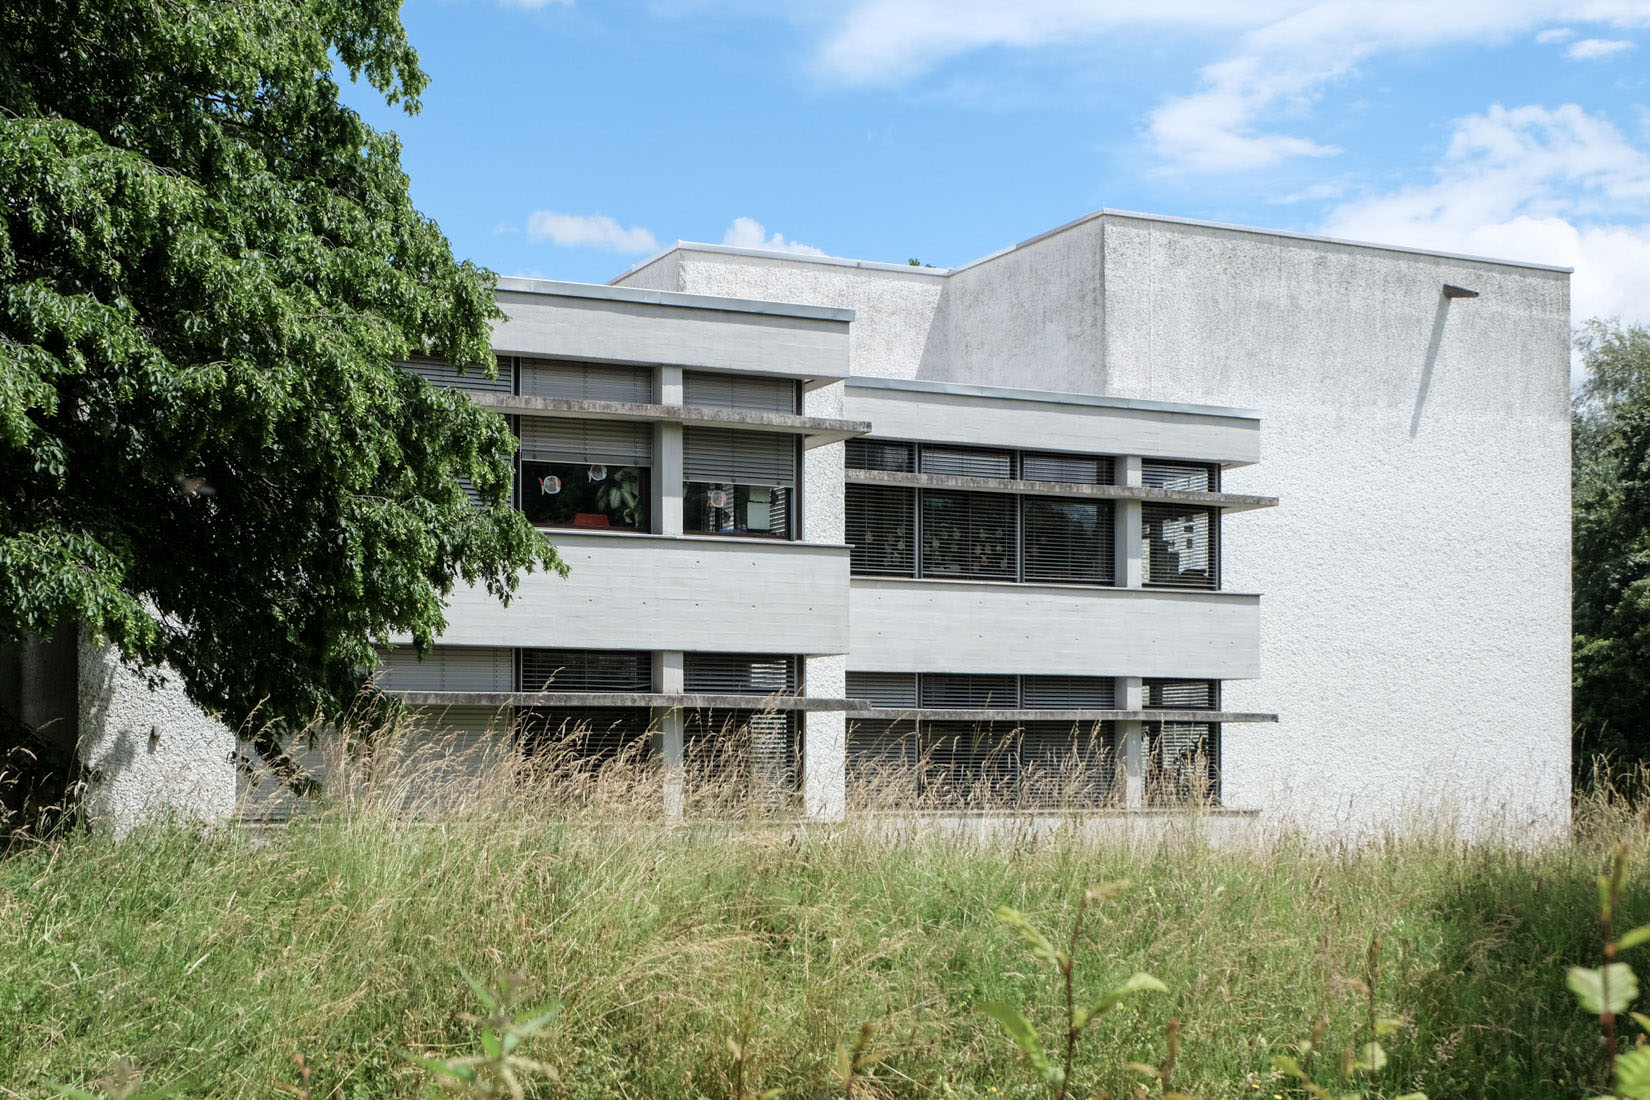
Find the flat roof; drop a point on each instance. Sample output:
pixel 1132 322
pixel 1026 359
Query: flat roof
pixel 604 292
pixel 1103 212
pixel 1051 397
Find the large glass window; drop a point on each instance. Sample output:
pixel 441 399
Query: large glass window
pixel 1067 540
pixel 1180 545
pixel 586 494
pixel 726 508
pixel 968 535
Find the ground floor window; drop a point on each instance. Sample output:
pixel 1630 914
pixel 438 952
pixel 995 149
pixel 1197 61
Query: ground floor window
pixel 956 765
pixel 739 754
pixel 1182 763
pixel 570 739
pixel 728 508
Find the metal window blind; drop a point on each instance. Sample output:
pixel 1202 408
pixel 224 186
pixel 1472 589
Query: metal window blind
pixel 1067 540
pixel 612 442
pixel 1182 762
pixel 739 458
pixel 1181 694
pixel 881 760
pixel 586 670
pixel 586 381
pixel 966 461
pixel 1180 545
pixel 965 763
pixel 575 736
pixel 442 373
pixel 1068 692
pixel 969 691
pixel 969 535
pixel 879 522
pixel 880 454
pixel 469 488
pixel 1066 764
pixel 738 673
pixel 1191 476
pixel 739 391
pixel 1076 469
pixel 756 746
pixel 884 689
pixel 448 668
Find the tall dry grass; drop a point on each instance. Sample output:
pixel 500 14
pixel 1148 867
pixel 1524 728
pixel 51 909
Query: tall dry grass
pixel 210 958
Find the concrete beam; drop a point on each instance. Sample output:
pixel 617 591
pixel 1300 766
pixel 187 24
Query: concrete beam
pixel 933 714
pixel 816 430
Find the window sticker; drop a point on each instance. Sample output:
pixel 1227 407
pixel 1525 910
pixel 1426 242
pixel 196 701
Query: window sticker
pixel 598 472
pixel 549 485
pixel 718 498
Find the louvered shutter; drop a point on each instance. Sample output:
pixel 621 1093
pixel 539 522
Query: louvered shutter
pixel 610 442
pixel 969 691
pixel 1068 692
pixel 599 670
pixel 969 764
pixel 884 689
pixel 739 458
pixel 738 673
pixel 881 761
pixel 1183 762
pixel 879 522
pixel 880 454
pixel 448 668
pixel 442 373
pixel 1181 694
pixel 966 461
pixel 1065 765
pixel 1190 476
pixel 566 739
pixel 1180 545
pixel 739 391
pixel 969 535
pixel 1074 469
pixel 1067 540
pixel 586 381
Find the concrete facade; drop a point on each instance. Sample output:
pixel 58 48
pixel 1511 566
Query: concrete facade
pixel 1416 448
pixel 1418 444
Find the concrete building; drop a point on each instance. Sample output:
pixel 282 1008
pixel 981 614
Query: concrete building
pixel 1164 509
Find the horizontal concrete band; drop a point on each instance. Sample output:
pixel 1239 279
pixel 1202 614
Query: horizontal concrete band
pixel 935 714
pixel 1230 502
pixel 817 429
pixel 622 699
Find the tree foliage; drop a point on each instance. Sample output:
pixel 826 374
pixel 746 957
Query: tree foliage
pixel 1612 542
pixel 208 267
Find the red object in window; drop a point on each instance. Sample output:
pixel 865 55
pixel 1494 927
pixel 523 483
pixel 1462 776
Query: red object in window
pixel 591 519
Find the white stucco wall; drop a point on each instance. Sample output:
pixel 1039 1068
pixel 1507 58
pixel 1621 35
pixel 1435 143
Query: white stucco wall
pixel 151 753
pixel 1415 577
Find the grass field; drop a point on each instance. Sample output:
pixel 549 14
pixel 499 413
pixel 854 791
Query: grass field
pixel 210 960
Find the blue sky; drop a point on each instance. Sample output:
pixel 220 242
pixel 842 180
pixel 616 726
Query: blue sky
pixel 570 139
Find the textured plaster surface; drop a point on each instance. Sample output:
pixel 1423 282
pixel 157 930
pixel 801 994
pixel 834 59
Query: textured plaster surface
pixel 1414 630
pixel 152 754
pixel 825 740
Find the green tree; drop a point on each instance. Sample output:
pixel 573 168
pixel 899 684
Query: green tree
pixel 208 266
pixel 1611 587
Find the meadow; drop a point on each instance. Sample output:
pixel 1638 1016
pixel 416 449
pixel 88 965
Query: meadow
pixel 740 954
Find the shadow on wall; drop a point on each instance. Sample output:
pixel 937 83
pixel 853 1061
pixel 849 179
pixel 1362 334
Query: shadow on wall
pixel 1439 317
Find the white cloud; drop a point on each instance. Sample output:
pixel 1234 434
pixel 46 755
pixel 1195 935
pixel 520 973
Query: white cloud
pixel 1285 52
pixel 588 231
pixel 750 233
pixel 1555 34
pixel 1589 49
pixel 1555 186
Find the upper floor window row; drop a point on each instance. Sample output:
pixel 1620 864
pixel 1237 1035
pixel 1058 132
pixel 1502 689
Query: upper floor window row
pixel 897 456
pixel 505 669
pixel 573 380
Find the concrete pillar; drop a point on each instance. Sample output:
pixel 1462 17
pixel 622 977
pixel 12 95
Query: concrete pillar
pixel 667 459
pixel 1131 564
pixel 824 741
pixel 1130 747
pixel 667 679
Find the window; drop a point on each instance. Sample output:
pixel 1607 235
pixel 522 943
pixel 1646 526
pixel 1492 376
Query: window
pixel 966 691
pixel 1067 540
pixel 586 670
pixel 1182 694
pixel 1182 763
pixel 1068 692
pixel 966 461
pixel 880 524
pixel 586 473
pixel 1074 469
pixel 439 372
pixel 1195 477
pixel 738 483
pixel 586 381
pixel 446 668
pixel 884 689
pixel 969 535
pixel 581 739
pixel 576 494
pixel 979 765
pixel 879 454
pixel 1179 545
pixel 739 391
pixel 739 673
